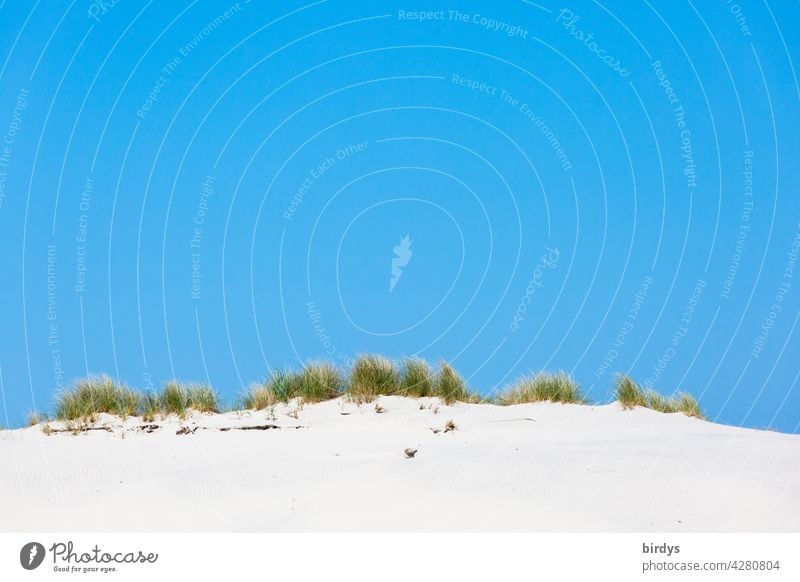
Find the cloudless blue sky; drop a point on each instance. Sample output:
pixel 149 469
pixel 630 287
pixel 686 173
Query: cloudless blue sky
pixel 207 190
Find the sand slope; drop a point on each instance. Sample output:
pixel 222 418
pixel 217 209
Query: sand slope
pixel 532 467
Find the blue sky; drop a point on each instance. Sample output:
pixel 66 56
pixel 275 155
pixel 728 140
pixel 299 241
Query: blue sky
pixel 207 190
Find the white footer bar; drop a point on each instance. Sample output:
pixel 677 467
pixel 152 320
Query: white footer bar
pixel 388 557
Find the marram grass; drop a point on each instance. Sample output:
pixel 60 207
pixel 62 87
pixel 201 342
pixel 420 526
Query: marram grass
pixel 450 386
pixel 417 379
pixel 258 397
pixel 280 386
pixel 374 375
pixel 178 398
pixel 630 395
pixel 370 376
pixel 94 395
pixel 317 382
pixel 543 387
pixel 628 392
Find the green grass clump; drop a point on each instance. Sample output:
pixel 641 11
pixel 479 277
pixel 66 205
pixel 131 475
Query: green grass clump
pixel 318 381
pixel 451 387
pixel 687 404
pixel 631 395
pixel 178 398
pixel 95 395
pixel 680 402
pixel 373 376
pixel 149 407
pixel 280 386
pixel 659 402
pixel 417 379
pixel 173 399
pixel 543 387
pixel 202 398
pixel 258 397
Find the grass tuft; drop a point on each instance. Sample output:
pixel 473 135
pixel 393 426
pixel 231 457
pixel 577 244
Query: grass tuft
pixel 318 381
pixel 543 387
pixel 687 404
pixel 658 402
pixel 451 387
pixel 202 398
pixel 631 395
pixel 172 399
pixel 178 398
pixel 417 379
pixel 95 395
pixel 258 397
pixel 372 376
pixel 279 387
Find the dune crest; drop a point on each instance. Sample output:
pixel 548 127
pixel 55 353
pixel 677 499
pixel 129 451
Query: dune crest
pixel 401 464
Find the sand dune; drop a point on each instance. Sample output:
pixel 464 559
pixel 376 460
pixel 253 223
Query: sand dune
pixel 342 467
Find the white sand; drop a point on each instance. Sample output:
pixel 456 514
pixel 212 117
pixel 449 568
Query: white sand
pixel 532 467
